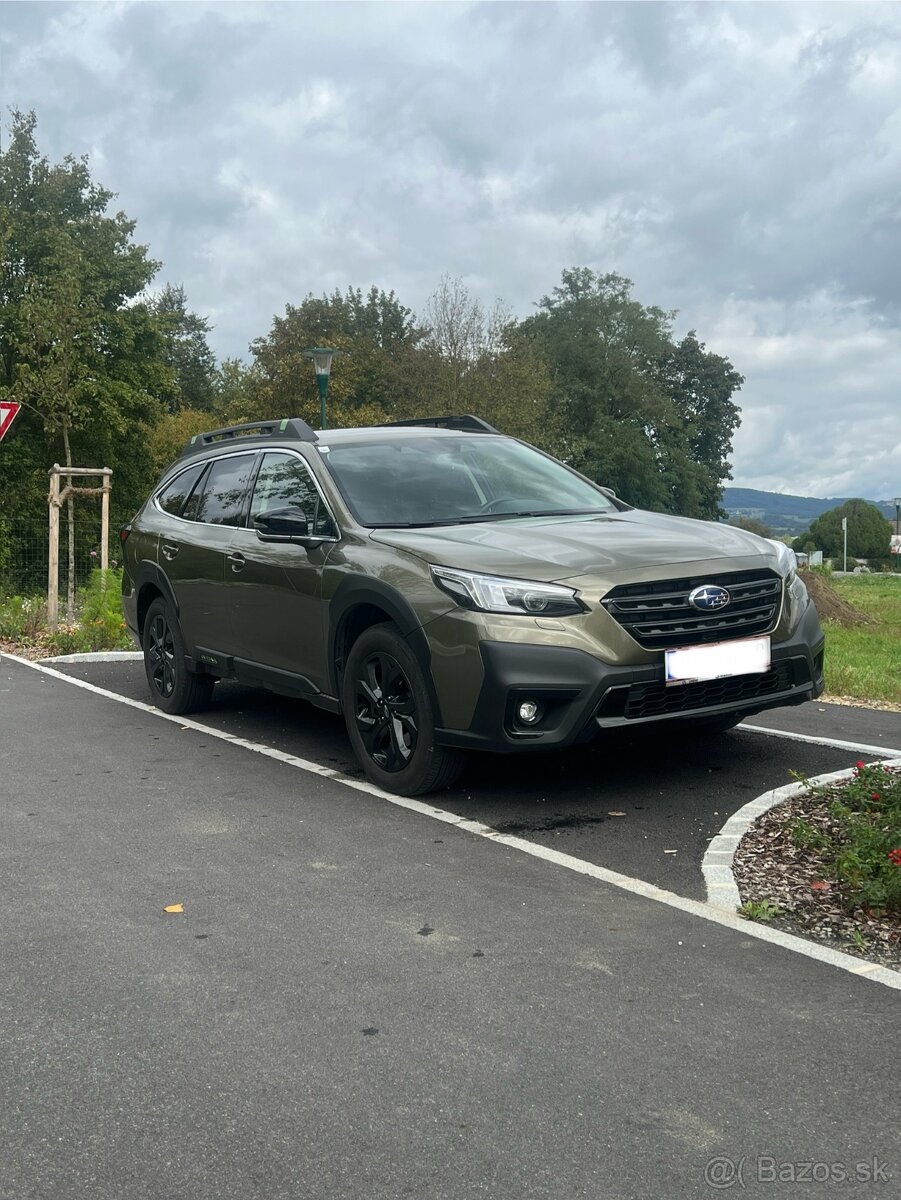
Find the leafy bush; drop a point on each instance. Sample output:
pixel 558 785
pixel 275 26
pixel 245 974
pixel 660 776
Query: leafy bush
pixel 22 618
pixel 858 838
pixel 101 625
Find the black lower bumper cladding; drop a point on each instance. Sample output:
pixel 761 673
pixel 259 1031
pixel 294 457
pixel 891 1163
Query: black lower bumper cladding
pixel 580 696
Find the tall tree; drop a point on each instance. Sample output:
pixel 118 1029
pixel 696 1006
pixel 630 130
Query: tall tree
pixel 632 409
pixel 601 347
pixel 186 351
pixel 701 385
pixel 869 533
pixel 374 334
pixel 77 348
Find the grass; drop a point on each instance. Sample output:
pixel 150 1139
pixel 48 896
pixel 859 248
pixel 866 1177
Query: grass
pixel 865 662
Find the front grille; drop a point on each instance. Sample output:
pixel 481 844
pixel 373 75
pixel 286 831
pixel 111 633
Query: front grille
pixel 656 699
pixel 658 615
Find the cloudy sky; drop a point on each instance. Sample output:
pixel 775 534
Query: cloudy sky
pixel 741 163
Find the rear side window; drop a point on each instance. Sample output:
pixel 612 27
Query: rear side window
pixel 173 496
pixel 284 482
pixel 220 499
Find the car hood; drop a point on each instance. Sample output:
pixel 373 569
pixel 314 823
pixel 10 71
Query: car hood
pixel 633 544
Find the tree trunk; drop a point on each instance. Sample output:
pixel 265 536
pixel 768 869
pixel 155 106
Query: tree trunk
pixel 70 518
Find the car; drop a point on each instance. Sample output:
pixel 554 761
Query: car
pixel 448 588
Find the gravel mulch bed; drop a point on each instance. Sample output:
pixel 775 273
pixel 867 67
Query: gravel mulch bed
pixel 33 652
pixel 768 866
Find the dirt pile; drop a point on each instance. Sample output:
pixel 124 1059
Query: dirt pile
pixel 829 604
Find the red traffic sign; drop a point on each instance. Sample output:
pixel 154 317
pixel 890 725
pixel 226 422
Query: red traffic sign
pixel 9 410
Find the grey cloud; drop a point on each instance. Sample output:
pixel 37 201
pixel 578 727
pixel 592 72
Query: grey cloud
pixel 740 162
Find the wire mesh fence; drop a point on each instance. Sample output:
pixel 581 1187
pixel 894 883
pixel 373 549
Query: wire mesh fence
pixel 24 557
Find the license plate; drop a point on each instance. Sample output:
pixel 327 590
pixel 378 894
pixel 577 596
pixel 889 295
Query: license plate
pixel 719 660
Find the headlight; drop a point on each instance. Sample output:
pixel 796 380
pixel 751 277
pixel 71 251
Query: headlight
pixel 786 559
pixel 491 593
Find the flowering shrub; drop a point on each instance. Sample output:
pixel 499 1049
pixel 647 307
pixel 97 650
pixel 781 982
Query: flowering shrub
pixel 859 844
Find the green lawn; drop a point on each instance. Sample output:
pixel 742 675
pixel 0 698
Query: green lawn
pixel 866 662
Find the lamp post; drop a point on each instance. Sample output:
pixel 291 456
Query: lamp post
pixel 322 360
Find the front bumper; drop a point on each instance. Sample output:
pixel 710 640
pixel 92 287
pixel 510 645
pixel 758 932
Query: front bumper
pixel 580 695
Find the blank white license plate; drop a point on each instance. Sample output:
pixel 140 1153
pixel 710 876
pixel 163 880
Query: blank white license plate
pixel 720 660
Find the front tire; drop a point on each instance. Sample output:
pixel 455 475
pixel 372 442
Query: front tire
pixel 174 688
pixel 390 716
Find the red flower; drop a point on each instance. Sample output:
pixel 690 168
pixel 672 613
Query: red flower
pixel 861 764
pixel 895 856
pixel 874 795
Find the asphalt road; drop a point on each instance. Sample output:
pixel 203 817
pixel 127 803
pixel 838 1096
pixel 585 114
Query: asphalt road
pixel 359 1002
pixel 675 792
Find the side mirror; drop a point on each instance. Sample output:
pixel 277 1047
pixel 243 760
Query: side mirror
pixel 609 492
pixel 282 523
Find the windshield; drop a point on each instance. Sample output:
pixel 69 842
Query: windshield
pixel 445 481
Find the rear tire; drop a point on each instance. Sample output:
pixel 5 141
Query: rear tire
pixel 390 716
pixel 174 688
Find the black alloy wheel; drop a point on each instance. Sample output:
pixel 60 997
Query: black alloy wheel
pixel 390 716
pixel 174 688
pixel 160 652
pixel 385 711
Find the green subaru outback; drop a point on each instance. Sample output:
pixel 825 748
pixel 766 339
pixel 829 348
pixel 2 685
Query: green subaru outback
pixel 448 588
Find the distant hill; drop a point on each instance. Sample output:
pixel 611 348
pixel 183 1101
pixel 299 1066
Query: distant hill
pixel 786 514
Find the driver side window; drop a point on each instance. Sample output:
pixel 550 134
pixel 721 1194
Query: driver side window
pixel 284 482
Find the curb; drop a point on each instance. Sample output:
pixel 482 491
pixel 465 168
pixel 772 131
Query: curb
pixel 716 866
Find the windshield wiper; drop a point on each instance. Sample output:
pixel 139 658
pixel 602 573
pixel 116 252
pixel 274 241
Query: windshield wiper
pixel 477 518
pixel 557 512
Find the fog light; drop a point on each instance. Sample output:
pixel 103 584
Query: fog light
pixel 529 712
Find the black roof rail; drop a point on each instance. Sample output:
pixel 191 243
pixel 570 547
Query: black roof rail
pixel 467 422
pixel 290 428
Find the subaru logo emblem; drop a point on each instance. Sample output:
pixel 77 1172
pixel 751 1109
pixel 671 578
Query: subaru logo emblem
pixel 709 599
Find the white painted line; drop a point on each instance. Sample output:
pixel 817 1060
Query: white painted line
pixel 636 887
pixel 101 656
pixel 860 747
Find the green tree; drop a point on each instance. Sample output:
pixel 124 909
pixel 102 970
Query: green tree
pixel 186 352
pixel 473 361
pixel 701 385
pixel 77 348
pixel 869 533
pixel 601 348
pixel 633 409
pixel 375 334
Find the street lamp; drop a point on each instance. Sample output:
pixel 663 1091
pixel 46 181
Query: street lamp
pixel 322 360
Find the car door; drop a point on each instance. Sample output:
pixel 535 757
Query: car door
pixel 279 621
pixel 193 547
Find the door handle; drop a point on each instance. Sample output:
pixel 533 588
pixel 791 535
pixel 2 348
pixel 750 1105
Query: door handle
pixel 169 550
pixel 238 561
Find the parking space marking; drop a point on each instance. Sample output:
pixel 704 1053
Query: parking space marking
pixel 636 887
pixel 860 747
